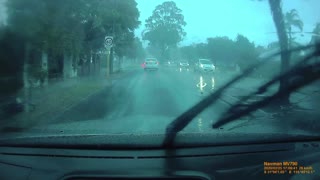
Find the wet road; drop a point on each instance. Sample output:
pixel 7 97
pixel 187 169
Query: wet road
pixel 144 101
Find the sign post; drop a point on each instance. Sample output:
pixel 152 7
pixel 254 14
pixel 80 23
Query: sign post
pixel 108 45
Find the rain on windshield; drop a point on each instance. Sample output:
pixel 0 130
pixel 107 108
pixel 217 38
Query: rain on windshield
pixel 81 65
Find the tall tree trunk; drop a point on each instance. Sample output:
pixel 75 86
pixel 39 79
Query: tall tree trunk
pixel 94 63
pixel 90 63
pixel 111 60
pixel 120 62
pixel 44 67
pixel 99 64
pixel 290 37
pixel 67 66
pixel 26 82
pixel 163 51
pixel 75 61
pixel 278 19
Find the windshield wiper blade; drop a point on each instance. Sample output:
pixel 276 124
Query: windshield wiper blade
pixel 184 119
pixel 263 88
pixel 303 76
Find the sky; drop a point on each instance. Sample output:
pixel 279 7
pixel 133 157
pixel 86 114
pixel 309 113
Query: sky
pixel 211 18
pixel 3 15
pixel 251 18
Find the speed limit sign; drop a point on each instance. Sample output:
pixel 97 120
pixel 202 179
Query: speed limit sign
pixel 108 41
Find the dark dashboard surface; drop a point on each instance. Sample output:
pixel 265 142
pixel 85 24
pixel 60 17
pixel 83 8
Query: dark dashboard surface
pixel 215 162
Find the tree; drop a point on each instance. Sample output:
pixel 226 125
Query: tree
pixel 72 29
pixel 292 20
pixel 50 27
pixel 223 51
pixel 189 53
pixel 56 34
pixel 124 45
pixel 316 34
pixel 219 49
pixel 164 28
pixel 316 37
pixel 276 10
pixel 136 50
pixel 260 49
pixel 273 45
pixel 245 51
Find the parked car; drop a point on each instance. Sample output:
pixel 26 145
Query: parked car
pixel 171 64
pixel 184 64
pixel 151 64
pixel 10 106
pixel 204 65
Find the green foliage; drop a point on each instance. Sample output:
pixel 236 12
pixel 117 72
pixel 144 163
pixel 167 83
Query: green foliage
pixel 316 29
pixel 74 27
pixel 316 35
pixel 220 48
pixel 223 51
pixel 246 52
pixel 136 50
pixel 292 19
pixel 188 53
pixel 195 51
pixel 47 24
pixel 164 28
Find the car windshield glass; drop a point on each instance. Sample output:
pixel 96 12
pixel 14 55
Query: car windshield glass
pixel 204 61
pixel 139 67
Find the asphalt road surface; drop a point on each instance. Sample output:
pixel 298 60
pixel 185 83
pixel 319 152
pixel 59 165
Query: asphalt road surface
pixel 144 102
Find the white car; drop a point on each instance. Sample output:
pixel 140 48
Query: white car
pixel 151 64
pixel 205 65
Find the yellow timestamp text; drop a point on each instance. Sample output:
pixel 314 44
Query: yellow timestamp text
pixel 286 167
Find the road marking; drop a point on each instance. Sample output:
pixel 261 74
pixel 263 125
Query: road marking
pixel 201 84
pixel 212 83
pixel 200 124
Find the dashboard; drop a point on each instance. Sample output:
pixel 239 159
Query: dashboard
pixel 291 160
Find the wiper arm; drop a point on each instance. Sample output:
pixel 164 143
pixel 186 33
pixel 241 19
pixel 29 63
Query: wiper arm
pixel 184 119
pixel 263 89
pixel 304 75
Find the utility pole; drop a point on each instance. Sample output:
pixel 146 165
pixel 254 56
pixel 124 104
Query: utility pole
pixel 109 43
pixel 108 62
pixel 113 34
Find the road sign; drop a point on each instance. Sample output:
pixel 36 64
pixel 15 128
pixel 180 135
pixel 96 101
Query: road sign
pixel 108 41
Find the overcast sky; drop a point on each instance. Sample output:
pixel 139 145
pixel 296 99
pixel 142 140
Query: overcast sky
pixel 2 11
pixel 210 18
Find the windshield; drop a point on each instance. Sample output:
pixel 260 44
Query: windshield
pixel 205 61
pixel 81 67
pixel 151 59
